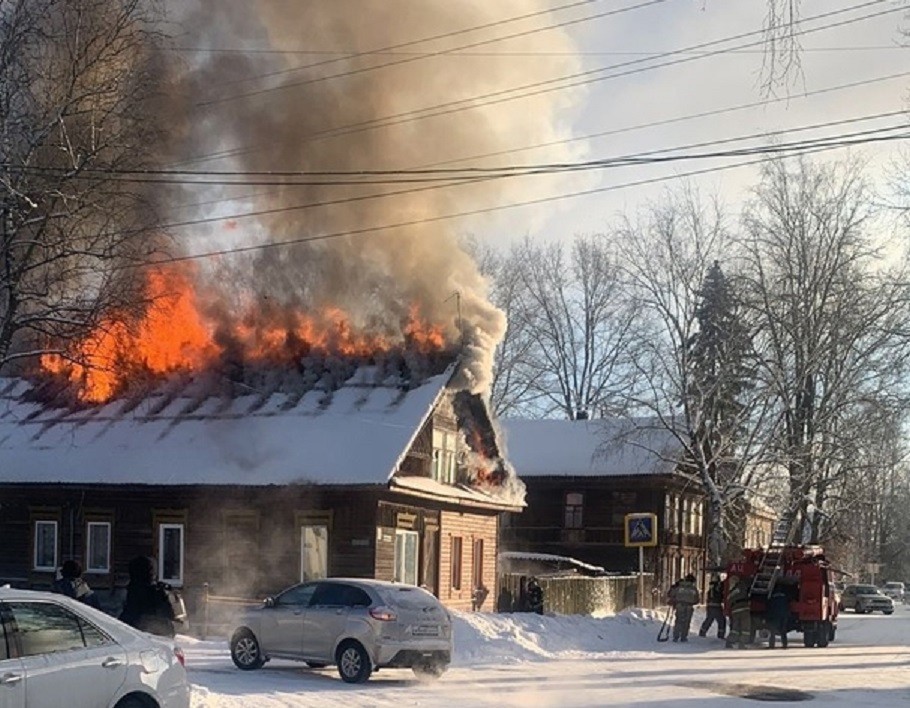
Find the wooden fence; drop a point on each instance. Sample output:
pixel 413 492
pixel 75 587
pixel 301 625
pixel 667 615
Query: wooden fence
pixel 578 594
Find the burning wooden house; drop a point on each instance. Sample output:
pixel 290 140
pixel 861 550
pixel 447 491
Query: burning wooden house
pixel 365 471
pixel 254 458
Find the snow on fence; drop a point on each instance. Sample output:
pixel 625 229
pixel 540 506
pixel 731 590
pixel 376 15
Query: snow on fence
pixel 577 594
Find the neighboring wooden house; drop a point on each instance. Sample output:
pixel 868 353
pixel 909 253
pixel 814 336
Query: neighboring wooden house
pixel 365 471
pixel 584 476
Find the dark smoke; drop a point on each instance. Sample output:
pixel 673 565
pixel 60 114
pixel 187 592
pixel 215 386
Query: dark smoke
pixel 376 277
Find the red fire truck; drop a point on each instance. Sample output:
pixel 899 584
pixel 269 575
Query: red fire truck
pixel 805 574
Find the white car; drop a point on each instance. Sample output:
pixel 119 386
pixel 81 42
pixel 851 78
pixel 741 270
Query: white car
pixel 59 653
pixel 895 590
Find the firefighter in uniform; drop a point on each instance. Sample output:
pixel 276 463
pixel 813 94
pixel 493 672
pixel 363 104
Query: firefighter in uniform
pixel 685 598
pixel 740 611
pixel 714 609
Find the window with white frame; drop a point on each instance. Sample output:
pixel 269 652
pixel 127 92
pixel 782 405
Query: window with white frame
pixel 45 545
pixel 406 556
pixel 98 547
pixel 444 456
pixel 170 554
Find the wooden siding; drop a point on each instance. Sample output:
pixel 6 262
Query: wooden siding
pixel 470 527
pixel 242 541
pixel 600 541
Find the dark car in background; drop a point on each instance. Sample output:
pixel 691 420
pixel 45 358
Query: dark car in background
pixel 356 624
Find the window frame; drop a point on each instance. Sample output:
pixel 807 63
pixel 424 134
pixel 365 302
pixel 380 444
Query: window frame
pixel 162 528
pixel 89 568
pixel 477 564
pixel 574 511
pixel 457 562
pixel 303 549
pixel 45 568
pixel 404 535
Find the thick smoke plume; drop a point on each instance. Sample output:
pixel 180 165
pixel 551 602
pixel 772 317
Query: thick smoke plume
pixel 240 103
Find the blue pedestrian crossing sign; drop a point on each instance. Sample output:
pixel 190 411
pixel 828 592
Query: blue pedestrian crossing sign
pixel 641 530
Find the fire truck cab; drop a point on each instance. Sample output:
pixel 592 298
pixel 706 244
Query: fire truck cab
pixel 805 575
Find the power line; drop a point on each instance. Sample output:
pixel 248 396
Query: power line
pixel 613 131
pixel 793 148
pixel 479 211
pixel 343 54
pixel 189 177
pixel 676 119
pixel 502 95
pixel 410 59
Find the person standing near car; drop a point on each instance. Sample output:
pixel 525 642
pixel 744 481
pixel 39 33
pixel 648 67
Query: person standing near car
pixel 72 584
pixel 714 609
pixel 685 598
pixel 147 606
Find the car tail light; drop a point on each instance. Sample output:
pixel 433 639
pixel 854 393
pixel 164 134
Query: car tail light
pixel 178 652
pixel 383 614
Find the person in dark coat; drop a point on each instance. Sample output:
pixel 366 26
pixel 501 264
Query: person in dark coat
pixel 72 584
pixel 714 609
pixel 147 606
pixel 535 596
pixel 778 615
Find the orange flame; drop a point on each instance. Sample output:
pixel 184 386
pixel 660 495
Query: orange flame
pixel 174 335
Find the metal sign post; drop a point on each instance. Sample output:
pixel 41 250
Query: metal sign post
pixel 641 532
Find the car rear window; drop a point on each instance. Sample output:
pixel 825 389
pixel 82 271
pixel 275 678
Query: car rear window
pixel 408 598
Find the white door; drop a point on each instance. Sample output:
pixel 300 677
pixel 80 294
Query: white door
pixel 63 655
pixel 12 682
pixel 314 552
pixel 406 556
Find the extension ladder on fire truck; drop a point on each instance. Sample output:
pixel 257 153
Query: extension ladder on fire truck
pixel 772 560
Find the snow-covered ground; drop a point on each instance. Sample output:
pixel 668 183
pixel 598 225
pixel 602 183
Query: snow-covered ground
pixel 527 660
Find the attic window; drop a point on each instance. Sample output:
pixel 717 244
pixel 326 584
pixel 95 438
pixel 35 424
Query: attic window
pixel 444 456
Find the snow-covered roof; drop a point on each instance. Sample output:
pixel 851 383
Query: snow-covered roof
pixel 356 434
pixel 552 558
pixel 588 448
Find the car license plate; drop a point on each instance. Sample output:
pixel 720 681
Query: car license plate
pixel 425 630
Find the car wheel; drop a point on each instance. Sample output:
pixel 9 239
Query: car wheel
pixel 354 665
pixel 316 664
pixel 809 638
pixel 430 670
pixel 245 650
pixel 888 612
pixel 131 702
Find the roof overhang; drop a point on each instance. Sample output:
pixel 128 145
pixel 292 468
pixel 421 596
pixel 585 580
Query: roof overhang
pixel 458 495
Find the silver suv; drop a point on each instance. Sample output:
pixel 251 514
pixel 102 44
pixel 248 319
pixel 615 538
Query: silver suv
pixel 358 625
pixel 865 598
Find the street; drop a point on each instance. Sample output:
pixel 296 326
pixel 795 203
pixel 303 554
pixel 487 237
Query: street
pixel 866 665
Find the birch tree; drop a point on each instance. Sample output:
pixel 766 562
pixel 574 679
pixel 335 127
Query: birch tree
pixel 693 368
pixel 831 322
pixel 576 321
pixel 76 81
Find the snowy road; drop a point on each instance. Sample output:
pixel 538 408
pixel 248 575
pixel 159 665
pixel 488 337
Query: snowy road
pixel 528 661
